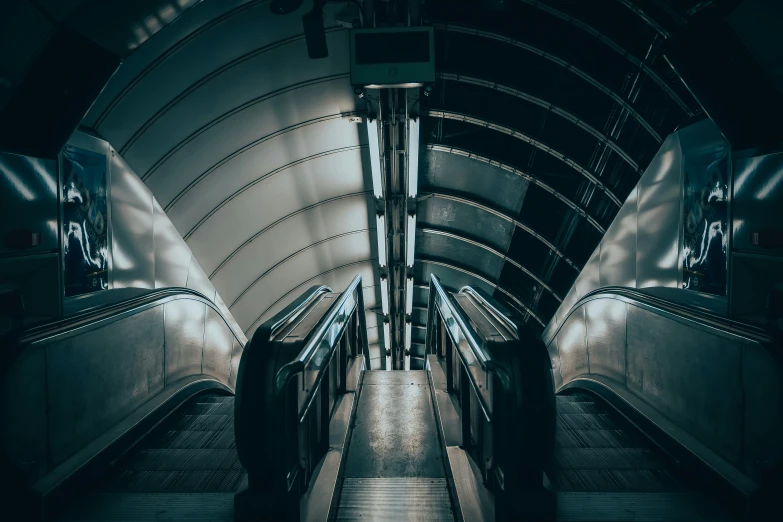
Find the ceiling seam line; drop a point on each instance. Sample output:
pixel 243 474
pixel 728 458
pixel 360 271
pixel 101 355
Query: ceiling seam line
pixel 559 61
pixel 617 48
pixel 551 107
pixel 456 116
pixel 289 258
pixel 486 281
pixel 524 175
pixel 267 176
pixel 496 253
pixel 237 110
pixel 166 54
pixel 255 143
pixel 281 220
pixel 506 217
pixel 341 267
pixel 193 87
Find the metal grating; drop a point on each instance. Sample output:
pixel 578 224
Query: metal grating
pixel 395 499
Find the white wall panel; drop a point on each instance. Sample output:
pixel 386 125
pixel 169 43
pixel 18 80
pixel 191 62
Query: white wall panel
pixel 268 76
pixel 172 254
pixel 244 128
pixel 187 27
pixel 618 247
pixel 276 152
pixel 288 237
pixel 274 198
pixel 133 248
pixel 337 280
pixel 659 218
pixel 311 262
pixel 214 47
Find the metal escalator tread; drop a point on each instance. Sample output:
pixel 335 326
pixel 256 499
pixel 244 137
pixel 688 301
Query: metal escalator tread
pixel 599 450
pixel 394 467
pixel 604 469
pixel 186 469
pixel 395 499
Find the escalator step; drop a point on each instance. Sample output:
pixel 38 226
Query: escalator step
pixel 607 458
pixel 143 507
pixel 395 499
pixel 597 439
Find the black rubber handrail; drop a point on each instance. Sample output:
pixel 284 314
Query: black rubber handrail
pixel 272 405
pixel 286 372
pixel 490 304
pixel 83 319
pixel 523 404
pixel 699 316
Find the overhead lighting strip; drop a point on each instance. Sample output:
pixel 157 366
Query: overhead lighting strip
pixel 413 157
pixel 375 158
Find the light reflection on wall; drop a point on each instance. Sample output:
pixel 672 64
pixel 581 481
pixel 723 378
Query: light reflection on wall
pixel 20 186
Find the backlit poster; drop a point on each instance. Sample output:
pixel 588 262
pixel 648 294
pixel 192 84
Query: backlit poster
pixel 85 222
pixel 705 224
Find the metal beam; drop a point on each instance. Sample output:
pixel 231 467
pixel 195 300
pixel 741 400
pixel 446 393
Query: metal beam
pixel 494 252
pixel 615 47
pixel 457 116
pixel 559 61
pixel 530 178
pixel 522 95
pixel 487 282
pixel 505 217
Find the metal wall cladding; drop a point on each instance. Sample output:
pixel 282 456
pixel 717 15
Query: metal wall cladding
pixel 190 200
pixel 431 245
pixel 94 381
pixel 218 347
pixel 442 171
pixel 690 376
pixel 61 395
pixel 572 347
pixel 185 321
pixel 465 220
pixel 758 191
pixel 762 381
pixel 337 279
pixel 293 233
pixel 723 390
pixel 132 229
pixel 659 218
pixel 752 278
pixel 29 188
pixel 172 254
pixel 276 197
pixel 266 76
pixel 589 278
pixel 24 399
pixel 298 269
pixel 606 329
pixel 618 246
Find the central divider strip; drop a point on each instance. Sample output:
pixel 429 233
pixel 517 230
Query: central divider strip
pixel 395 466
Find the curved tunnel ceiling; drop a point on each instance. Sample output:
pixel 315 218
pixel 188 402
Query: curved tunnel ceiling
pixel 543 117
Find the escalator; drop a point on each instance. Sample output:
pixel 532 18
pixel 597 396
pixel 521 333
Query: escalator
pixel 395 467
pixel 601 466
pixel 185 469
pixel 313 435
